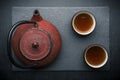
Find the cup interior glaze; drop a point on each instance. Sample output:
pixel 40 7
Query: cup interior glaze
pixel 92 27
pixel 97 55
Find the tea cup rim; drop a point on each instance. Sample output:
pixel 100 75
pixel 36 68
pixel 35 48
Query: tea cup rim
pixel 93 26
pixel 106 54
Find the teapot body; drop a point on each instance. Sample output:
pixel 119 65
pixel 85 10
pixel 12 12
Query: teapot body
pixel 35 45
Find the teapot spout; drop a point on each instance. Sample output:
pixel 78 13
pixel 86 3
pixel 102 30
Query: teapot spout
pixel 36 16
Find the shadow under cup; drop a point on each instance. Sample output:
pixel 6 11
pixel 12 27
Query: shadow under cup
pixel 83 22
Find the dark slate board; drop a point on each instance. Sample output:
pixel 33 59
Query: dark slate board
pixel 71 57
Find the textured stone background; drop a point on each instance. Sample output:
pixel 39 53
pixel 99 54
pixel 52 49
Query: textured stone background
pixel 6 72
pixel 71 56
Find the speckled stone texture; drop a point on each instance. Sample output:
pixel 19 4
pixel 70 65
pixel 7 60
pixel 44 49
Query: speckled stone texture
pixel 71 57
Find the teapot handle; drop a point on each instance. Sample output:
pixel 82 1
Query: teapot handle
pixel 9 44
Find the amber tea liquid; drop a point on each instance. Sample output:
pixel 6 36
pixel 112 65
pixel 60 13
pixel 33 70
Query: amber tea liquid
pixel 83 22
pixel 95 55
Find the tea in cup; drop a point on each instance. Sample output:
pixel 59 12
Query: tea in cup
pixel 96 56
pixel 83 22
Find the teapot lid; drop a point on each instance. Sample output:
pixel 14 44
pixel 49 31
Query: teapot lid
pixel 35 44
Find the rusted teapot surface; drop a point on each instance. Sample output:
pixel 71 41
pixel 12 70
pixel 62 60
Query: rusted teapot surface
pixel 36 43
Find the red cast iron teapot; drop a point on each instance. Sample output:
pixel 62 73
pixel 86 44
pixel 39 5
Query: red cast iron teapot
pixel 33 44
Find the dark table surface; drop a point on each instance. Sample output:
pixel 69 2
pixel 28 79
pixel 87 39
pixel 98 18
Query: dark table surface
pixel 6 72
